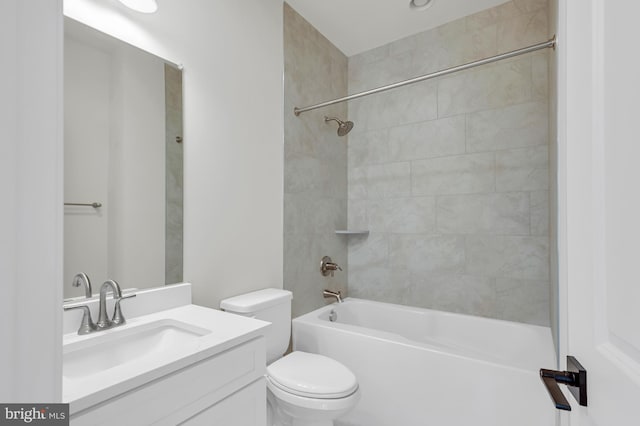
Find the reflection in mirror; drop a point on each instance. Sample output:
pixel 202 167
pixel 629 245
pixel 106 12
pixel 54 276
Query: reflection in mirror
pixel 123 150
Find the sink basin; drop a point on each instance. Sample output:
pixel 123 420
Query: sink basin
pixel 119 347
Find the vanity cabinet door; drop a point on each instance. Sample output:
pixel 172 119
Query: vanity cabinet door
pixel 247 407
pixel 187 393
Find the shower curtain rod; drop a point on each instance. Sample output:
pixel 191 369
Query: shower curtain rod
pixel 550 43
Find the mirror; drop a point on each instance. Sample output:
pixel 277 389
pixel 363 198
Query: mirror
pixel 123 151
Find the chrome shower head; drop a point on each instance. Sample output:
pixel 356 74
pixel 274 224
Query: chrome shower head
pixel 344 127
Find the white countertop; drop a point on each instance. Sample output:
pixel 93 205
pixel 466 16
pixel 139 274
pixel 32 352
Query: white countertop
pixel 221 331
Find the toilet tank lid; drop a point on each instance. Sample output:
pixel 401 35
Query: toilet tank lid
pixel 256 300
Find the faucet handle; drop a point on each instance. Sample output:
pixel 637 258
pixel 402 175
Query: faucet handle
pixel 118 318
pixel 327 266
pixel 86 326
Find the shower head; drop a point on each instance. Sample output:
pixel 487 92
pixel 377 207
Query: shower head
pixel 344 127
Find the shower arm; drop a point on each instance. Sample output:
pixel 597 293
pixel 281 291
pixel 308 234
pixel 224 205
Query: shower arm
pixel 549 43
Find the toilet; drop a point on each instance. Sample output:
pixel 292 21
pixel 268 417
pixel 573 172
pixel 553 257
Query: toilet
pixel 303 389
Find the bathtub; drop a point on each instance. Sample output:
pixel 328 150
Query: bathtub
pixel 429 368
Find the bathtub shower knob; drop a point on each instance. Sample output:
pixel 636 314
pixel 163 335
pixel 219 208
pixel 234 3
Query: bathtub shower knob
pixel 327 267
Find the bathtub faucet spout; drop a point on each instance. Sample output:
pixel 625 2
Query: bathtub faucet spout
pixel 335 294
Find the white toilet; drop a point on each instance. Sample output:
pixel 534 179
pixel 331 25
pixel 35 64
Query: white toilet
pixel 303 389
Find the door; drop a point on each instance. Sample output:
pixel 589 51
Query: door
pixel 599 204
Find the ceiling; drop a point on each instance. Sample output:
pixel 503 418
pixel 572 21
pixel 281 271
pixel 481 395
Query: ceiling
pixel 355 26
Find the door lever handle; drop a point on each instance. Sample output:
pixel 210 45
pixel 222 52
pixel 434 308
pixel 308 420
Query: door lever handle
pixel 551 378
pixel 575 377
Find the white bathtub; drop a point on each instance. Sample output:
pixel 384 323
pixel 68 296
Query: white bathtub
pixel 429 368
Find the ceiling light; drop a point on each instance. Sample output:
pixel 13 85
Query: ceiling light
pixel 417 5
pixel 143 6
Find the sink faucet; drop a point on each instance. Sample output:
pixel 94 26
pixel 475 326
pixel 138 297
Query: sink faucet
pixel 103 320
pixel 336 294
pixel 82 279
pixel 87 325
pixel 118 319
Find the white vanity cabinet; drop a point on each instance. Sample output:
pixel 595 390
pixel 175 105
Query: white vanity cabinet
pixel 225 389
pixel 171 363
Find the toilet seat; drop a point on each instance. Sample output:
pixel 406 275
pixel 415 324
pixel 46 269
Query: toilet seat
pixel 299 404
pixel 311 376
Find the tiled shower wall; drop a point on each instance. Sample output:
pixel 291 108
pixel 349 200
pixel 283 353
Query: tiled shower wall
pixel 315 167
pixel 451 176
pixel 174 229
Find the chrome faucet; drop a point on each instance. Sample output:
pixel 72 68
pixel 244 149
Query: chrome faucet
pixel 82 279
pixel 117 319
pixel 327 266
pixel 335 294
pixel 87 325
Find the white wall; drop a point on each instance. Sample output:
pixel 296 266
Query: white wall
pixel 233 58
pixel 31 190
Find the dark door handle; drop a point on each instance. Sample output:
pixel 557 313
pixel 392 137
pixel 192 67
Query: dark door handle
pixel 550 378
pixel 575 377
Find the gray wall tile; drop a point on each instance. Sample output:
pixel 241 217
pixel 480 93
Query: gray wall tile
pixel 389 180
pixel 369 252
pixel 523 300
pixel 427 253
pixel 496 214
pixel 490 86
pixel 418 102
pixel 402 215
pixel 315 170
pixel 513 126
pixel 460 293
pixel 525 169
pixel 462 174
pixel 522 30
pixel 370 147
pixel 471 234
pixel 508 257
pixel 435 138
pixel 539 201
pixel 373 284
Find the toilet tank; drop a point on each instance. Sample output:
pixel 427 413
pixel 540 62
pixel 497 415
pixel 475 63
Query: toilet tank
pixel 272 305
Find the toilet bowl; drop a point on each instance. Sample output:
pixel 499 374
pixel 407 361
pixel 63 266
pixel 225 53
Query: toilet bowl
pixel 309 389
pixel 303 389
pixel 284 409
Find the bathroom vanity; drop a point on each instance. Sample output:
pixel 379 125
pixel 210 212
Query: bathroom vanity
pixel 171 363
